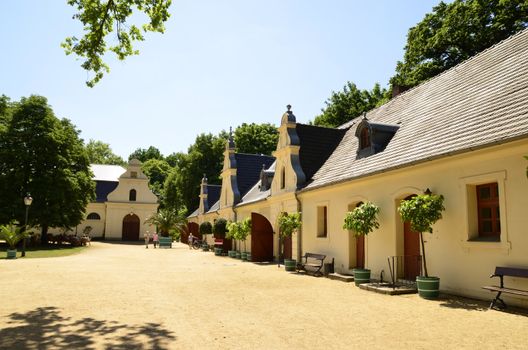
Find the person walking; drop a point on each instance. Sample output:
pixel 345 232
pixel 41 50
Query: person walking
pixel 155 239
pixel 190 240
pixel 146 236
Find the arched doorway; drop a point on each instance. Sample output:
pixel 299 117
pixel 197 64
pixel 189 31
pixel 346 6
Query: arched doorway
pixel 411 251
pixel 261 238
pixel 194 228
pixel 356 244
pixel 130 228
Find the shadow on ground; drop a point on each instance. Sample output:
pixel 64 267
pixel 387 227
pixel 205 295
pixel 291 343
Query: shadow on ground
pixel 456 302
pixel 46 328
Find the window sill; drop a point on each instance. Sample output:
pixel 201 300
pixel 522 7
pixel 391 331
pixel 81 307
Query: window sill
pixel 483 244
pixel 485 239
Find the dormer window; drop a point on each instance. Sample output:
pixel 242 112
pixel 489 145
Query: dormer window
pixel 373 137
pixel 132 196
pixel 364 140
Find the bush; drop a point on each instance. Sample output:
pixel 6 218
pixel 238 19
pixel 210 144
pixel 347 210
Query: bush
pixel 220 227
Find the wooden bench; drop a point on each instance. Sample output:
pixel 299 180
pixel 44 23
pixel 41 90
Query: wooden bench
pixel 312 263
pixel 165 242
pixel 510 272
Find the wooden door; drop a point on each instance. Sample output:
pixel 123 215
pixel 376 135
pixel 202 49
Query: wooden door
pixel 411 252
pixel 360 251
pixel 130 228
pixel 287 246
pixel 261 238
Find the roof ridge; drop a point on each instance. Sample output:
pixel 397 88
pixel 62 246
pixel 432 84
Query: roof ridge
pixel 254 154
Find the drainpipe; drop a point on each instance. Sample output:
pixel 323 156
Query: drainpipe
pixel 299 231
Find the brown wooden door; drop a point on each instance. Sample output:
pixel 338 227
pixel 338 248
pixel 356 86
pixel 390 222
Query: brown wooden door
pixel 287 246
pixel 360 251
pixel 411 252
pixel 130 228
pixel 261 238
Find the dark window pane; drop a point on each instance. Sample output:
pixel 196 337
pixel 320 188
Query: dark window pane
pixel 484 193
pixel 498 226
pixel 487 227
pixel 485 213
pixel 497 213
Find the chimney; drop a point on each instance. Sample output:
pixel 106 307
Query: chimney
pixel 398 89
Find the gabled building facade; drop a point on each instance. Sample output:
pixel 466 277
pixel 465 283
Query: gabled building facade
pixel 462 134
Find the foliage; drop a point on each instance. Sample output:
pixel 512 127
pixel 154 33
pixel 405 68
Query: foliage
pixel 101 153
pixel 256 138
pixel 98 19
pixel 363 219
pixel 12 234
pixel 44 156
pixel 220 227
pixel 175 234
pixel 157 171
pixel 348 104
pixel 206 228
pixel 288 223
pixel 422 212
pixel 454 32
pixel 167 219
pixel 239 230
pixel 144 155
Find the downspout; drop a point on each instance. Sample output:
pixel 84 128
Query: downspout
pixel 299 231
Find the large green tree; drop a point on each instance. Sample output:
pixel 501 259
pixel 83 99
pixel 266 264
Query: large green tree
pixel 44 156
pixel 343 106
pixel 157 171
pixel 100 18
pixel 454 32
pixel 256 138
pixel 101 153
pixel 145 154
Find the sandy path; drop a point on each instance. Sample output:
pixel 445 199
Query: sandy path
pixel 124 296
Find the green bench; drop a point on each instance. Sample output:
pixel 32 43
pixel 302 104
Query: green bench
pixel 165 242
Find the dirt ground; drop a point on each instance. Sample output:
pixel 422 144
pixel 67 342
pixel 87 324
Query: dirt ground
pixel 122 296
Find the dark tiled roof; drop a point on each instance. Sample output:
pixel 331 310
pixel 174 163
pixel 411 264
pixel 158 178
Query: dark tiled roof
pixel 213 194
pixel 103 188
pixel 478 103
pixel 317 144
pixel 248 170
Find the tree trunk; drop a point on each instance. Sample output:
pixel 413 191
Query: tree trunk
pixel 423 255
pixel 44 235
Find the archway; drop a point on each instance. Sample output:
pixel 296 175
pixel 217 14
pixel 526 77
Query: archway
pixel 411 251
pixel 130 228
pixel 192 227
pixel 261 238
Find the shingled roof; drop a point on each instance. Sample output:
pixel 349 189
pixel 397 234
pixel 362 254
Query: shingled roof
pixel 248 170
pixel 478 103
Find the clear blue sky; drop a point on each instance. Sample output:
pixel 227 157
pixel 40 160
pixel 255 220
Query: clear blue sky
pixel 219 64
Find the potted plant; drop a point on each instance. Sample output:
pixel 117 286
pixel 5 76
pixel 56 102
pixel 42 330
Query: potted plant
pixel 288 224
pixel 12 235
pixel 232 233
pixel 422 212
pixel 166 219
pixel 244 231
pixel 362 220
pixel 205 229
pixel 220 231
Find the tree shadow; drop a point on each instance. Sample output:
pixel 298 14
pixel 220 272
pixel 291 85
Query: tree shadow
pixel 456 302
pixel 46 328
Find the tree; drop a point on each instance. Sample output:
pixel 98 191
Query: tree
pixel 157 171
pixel 348 104
pixel 44 156
pixel 256 138
pixel 363 219
pixel 454 32
pixel 168 219
pixel 99 18
pixel 145 154
pixel 101 153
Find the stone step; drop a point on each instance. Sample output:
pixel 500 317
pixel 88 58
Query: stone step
pixel 339 277
pixel 387 288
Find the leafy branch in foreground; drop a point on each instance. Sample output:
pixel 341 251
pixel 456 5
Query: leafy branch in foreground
pixel 99 18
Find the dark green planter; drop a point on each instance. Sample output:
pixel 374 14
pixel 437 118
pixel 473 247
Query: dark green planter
pixel 205 248
pixel 428 287
pixel 11 253
pixel 231 253
pixel 218 251
pixel 238 255
pixel 289 264
pixel 361 276
pixel 248 256
pixel 243 256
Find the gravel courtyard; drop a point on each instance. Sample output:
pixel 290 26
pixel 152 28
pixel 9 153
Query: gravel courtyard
pixel 123 296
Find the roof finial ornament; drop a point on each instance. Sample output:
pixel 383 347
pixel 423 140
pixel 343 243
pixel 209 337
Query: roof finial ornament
pixel 364 115
pixel 288 107
pixel 230 141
